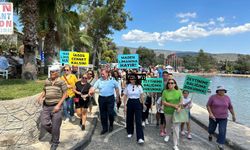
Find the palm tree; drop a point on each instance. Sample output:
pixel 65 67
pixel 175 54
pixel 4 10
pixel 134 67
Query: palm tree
pixel 29 17
pixel 60 24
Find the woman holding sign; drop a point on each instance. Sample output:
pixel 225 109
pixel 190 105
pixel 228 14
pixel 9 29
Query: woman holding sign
pixel 172 100
pixel 133 107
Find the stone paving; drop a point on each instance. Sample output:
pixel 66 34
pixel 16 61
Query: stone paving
pixel 19 122
pixel 72 137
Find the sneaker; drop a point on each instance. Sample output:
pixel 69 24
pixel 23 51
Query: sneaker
pixel 143 124
pixel 147 121
pixel 140 141
pixel 189 136
pixel 182 133
pixel 210 138
pixel 162 134
pixel 166 139
pixel 66 120
pixel 220 147
pixel 73 118
pixel 175 147
pixel 130 135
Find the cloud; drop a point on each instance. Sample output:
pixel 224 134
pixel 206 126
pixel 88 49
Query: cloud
pixel 193 30
pixel 221 19
pixel 140 36
pixel 184 20
pixel 185 17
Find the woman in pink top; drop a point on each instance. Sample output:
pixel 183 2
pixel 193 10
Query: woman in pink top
pixel 218 106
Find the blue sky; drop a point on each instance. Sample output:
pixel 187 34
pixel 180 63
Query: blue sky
pixel 216 26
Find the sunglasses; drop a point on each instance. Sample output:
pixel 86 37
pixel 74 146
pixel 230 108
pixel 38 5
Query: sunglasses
pixel 90 73
pixel 171 83
pixel 66 69
pixel 84 78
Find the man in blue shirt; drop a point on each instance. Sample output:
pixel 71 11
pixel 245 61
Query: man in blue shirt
pixel 106 99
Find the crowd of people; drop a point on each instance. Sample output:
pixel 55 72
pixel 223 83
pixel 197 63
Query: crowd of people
pixel 66 96
pixel 12 62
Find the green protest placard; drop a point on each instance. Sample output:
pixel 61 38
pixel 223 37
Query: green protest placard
pixel 196 84
pixel 152 85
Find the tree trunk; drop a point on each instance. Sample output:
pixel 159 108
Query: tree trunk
pixel 29 16
pixel 99 56
pixel 29 66
pixel 94 54
pixel 49 45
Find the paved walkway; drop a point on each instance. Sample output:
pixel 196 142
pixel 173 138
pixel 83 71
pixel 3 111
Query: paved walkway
pixel 72 137
pixel 117 140
pixel 238 136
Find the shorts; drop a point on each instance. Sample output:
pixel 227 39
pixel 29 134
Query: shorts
pixel 162 117
pixel 82 103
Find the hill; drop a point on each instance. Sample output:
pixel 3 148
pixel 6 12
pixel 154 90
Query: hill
pixel 218 57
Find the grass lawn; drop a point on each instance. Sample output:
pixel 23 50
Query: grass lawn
pixel 17 88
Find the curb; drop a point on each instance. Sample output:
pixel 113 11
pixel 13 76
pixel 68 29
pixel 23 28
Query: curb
pixel 87 139
pixel 229 143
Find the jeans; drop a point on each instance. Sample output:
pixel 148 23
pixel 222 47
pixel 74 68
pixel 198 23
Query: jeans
pixel 106 106
pixel 68 107
pixel 221 138
pixel 134 110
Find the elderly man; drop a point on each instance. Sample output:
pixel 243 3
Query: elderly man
pixel 106 99
pixel 52 97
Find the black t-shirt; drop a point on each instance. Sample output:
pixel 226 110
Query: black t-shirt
pixel 84 89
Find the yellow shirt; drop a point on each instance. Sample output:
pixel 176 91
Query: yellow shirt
pixel 71 80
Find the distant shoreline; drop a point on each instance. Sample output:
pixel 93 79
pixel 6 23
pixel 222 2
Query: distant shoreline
pixel 216 74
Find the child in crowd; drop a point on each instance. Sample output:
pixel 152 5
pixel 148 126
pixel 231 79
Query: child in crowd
pixel 159 108
pixel 187 104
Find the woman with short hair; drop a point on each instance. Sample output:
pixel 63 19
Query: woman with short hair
pixel 218 106
pixel 68 104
